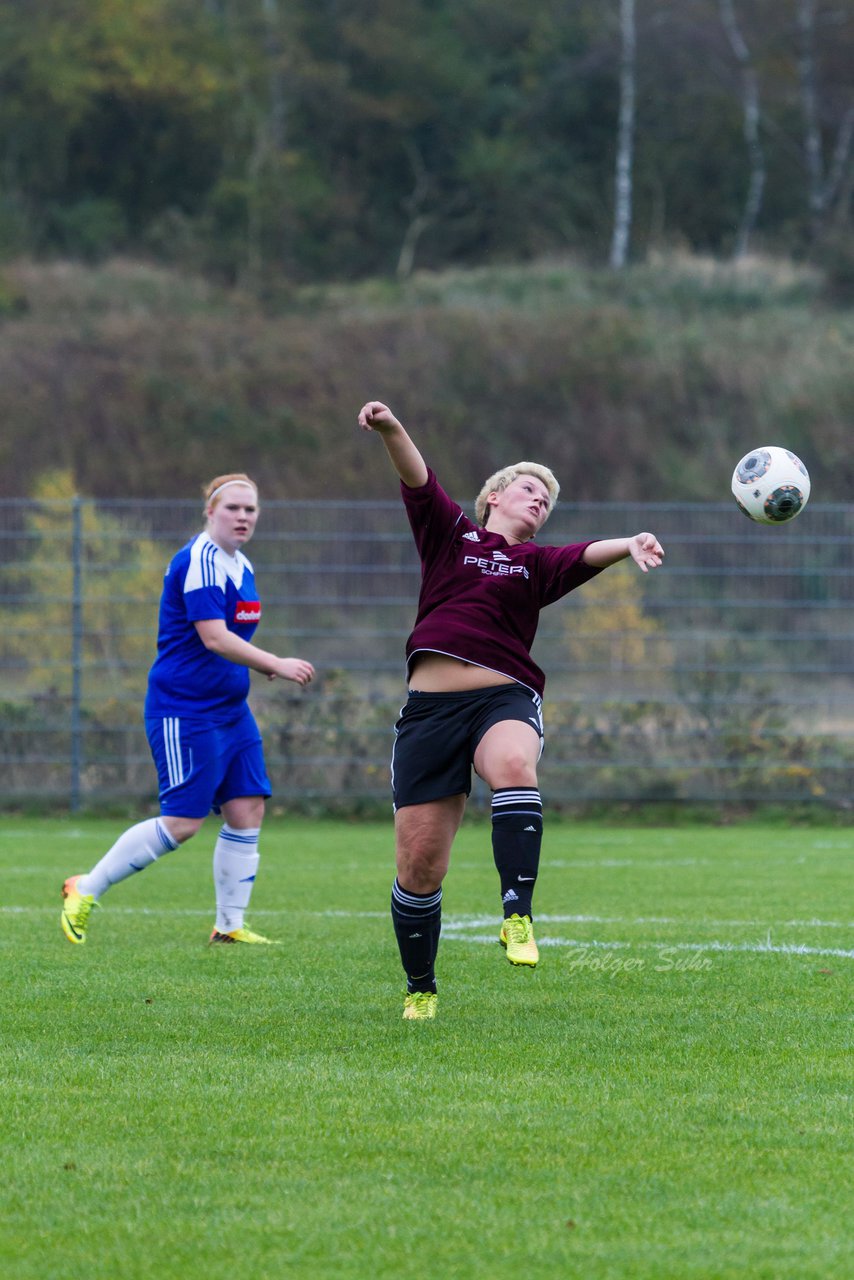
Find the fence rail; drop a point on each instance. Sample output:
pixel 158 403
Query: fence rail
pixel 726 675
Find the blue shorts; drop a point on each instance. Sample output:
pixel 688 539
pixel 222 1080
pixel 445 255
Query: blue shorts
pixel 201 766
pixel 438 733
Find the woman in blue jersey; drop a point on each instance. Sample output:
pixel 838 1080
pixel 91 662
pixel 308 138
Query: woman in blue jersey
pixel 202 735
pixel 475 693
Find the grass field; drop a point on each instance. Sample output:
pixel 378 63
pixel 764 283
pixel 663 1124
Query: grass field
pixel 668 1095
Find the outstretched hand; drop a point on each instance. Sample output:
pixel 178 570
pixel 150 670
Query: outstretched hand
pixel 646 551
pixel 296 669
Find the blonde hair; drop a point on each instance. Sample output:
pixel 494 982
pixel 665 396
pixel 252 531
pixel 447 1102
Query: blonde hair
pixel 506 476
pixel 214 488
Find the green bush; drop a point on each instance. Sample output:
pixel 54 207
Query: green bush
pixel 836 256
pixel 90 229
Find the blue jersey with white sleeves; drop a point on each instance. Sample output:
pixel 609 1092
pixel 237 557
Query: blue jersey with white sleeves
pixel 202 582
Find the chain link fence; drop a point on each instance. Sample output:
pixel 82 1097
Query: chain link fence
pixel 725 676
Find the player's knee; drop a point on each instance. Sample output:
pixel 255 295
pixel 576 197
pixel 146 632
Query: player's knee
pixel 514 770
pixel 244 812
pixel 421 867
pixel 182 829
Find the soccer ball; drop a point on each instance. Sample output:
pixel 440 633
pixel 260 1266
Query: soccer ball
pixel 771 485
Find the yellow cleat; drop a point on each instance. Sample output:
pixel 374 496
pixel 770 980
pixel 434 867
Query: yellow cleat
pixel 517 938
pixel 76 909
pixel 420 1005
pixel 242 935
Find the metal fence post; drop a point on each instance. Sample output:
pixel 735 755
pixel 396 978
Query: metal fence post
pixel 76 650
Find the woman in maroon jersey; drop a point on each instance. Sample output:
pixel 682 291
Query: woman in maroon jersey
pixel 475 694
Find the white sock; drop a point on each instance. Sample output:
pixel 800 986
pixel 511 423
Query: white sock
pixel 235 863
pixel 135 850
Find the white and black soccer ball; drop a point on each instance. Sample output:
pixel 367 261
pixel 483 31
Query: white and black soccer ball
pixel 771 485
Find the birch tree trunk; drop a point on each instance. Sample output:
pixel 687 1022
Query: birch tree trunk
pixel 270 135
pixel 809 105
pixel 415 206
pixel 625 136
pixel 821 192
pixel 840 165
pixel 275 74
pixel 752 119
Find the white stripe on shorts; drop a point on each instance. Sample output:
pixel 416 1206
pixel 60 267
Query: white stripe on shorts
pixel 172 742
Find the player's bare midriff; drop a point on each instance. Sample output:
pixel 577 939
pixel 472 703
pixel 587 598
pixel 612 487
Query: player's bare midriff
pixel 438 673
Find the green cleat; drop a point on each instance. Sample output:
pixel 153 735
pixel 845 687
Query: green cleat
pixel 75 911
pixel 517 938
pixel 420 1005
pixel 242 935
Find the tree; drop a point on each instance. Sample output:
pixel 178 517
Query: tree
pixel 109 115
pixel 275 141
pixel 121 572
pixel 625 136
pixel 822 189
pixel 752 117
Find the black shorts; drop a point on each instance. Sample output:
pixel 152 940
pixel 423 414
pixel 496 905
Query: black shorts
pixel 437 735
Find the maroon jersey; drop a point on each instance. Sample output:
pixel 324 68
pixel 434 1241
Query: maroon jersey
pixel 481 597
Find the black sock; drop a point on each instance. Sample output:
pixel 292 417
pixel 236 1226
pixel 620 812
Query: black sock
pixel 417 919
pixel 517 833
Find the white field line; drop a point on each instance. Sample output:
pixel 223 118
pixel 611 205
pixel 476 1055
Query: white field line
pixel 617 841
pixel 609 864
pixel 459 923
pixel 454 930
pixel 479 922
pixel 136 911
pixel 755 948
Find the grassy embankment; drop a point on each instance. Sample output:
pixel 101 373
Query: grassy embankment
pixel 638 386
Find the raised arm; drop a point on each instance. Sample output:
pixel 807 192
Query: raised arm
pixel 644 548
pixel 405 457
